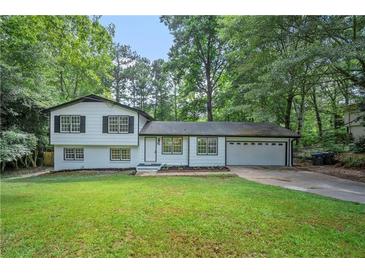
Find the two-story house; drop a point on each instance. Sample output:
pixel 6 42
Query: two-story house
pixel 93 132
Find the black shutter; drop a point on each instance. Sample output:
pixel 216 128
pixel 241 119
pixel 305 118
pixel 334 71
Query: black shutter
pixel 105 124
pixel 82 124
pixel 57 123
pixel 131 124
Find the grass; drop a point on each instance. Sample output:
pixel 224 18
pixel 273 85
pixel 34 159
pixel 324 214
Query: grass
pixel 113 215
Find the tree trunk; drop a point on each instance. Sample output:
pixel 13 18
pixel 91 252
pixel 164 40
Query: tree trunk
pixel 61 83
pixel 301 111
pixel 209 95
pixel 117 91
pixel 289 103
pixel 117 96
pixel 33 158
pixel 175 102
pixel 335 117
pixel 117 77
pixel 209 86
pixel 155 105
pixel 22 162
pixel 76 84
pixel 209 106
pixel 318 116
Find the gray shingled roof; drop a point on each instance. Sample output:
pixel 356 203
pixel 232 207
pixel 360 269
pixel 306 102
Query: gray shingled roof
pixel 216 129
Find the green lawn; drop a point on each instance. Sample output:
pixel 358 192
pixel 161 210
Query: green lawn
pixel 114 215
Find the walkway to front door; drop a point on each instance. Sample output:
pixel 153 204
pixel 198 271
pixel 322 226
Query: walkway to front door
pixel 306 181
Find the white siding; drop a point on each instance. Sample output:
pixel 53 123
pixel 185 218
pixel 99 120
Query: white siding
pixel 94 112
pixel 207 160
pixel 94 157
pixel 171 160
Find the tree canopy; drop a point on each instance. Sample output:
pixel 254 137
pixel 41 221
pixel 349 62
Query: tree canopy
pixel 300 72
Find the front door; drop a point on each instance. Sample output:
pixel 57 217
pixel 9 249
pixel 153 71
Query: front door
pixel 150 149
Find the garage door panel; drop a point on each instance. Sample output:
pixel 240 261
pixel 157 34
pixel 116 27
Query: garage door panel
pixel 256 153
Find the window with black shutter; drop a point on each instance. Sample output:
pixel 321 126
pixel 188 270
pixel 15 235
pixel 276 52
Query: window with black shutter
pixel 118 124
pixel 69 123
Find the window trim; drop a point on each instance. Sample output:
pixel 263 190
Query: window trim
pixel 120 160
pixel 74 154
pixel 70 116
pixel 206 146
pixel 172 152
pixel 119 124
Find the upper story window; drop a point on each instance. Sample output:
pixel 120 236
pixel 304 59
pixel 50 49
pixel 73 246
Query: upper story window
pixel 207 146
pixel 70 123
pixel 172 145
pixel 118 124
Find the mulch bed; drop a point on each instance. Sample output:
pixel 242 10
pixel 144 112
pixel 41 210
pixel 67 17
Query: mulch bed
pixel 91 171
pixel 194 169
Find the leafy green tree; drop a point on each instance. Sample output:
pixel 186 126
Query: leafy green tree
pixel 161 91
pixel 140 83
pixel 124 59
pixel 285 65
pixel 46 60
pixel 199 53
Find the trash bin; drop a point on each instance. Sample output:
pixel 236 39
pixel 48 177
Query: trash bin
pixel 317 159
pixel 328 158
pixel 323 158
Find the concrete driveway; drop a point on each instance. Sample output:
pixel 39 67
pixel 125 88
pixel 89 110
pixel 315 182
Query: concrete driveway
pixel 306 181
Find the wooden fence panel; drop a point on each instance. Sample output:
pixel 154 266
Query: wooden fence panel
pixel 48 158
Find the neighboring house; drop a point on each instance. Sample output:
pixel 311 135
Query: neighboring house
pixel 94 132
pixel 355 120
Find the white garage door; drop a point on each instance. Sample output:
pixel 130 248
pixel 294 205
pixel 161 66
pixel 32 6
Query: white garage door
pixel 256 153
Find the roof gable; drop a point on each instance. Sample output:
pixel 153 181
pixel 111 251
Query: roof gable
pixel 96 98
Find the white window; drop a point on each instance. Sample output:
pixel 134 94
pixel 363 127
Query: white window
pixel 202 145
pixel 113 123
pixel 207 146
pixel 73 154
pixel 70 123
pixel 120 154
pixel 212 145
pixel 172 145
pixel 123 124
pixel 118 124
pixel 79 154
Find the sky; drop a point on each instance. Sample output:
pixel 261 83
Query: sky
pixel 145 34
